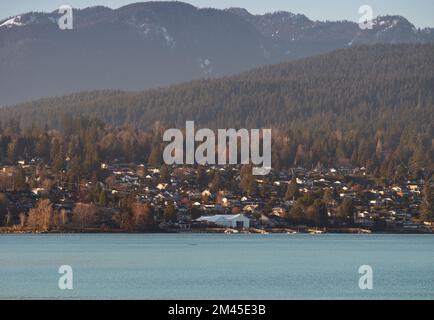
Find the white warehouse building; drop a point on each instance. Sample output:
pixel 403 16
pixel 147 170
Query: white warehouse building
pixel 239 221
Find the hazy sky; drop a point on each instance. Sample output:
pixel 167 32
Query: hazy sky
pixel 419 12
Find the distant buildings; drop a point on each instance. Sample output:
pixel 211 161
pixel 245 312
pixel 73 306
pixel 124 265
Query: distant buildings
pixel 389 206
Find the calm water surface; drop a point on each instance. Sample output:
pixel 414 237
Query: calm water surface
pixel 205 266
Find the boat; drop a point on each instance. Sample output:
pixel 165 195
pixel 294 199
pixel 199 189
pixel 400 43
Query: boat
pixel 231 231
pixel 316 231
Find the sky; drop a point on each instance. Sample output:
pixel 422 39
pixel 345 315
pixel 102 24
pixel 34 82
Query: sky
pixel 419 12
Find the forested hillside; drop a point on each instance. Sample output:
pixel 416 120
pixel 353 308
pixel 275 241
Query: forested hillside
pixel 151 44
pixel 366 106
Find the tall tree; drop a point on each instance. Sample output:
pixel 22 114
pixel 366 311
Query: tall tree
pixel 427 207
pixel 84 215
pixel 346 209
pixel 41 217
pixel 292 193
pixel 170 212
pixel 142 216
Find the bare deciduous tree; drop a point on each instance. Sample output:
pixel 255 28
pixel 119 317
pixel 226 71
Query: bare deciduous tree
pixel 23 219
pixel 84 215
pixel 41 217
pixel 60 219
pixel 142 216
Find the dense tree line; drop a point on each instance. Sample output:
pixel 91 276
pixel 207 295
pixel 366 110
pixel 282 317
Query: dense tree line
pixel 82 145
pixel 365 106
pixel 137 217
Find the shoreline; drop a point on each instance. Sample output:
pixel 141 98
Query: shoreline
pixel 226 231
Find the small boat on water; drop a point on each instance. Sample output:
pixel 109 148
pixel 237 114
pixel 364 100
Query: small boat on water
pixel 316 231
pixel 231 231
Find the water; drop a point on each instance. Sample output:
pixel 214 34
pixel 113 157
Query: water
pixel 206 266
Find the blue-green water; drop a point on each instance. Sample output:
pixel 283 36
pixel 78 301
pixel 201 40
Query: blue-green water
pixel 205 266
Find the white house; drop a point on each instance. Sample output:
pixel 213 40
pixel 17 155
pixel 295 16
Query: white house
pixel 228 220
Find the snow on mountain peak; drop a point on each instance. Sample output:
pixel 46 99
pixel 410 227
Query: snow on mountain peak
pixel 391 21
pixel 15 21
pixel 29 19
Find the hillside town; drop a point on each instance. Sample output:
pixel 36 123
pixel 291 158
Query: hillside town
pixel 226 199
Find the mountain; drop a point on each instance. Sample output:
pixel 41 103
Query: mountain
pixel 134 47
pixel 368 106
pixel 297 31
pixel 370 82
pixel 154 44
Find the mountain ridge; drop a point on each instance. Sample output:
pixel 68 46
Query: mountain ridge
pixel 367 106
pixel 155 44
pixel 410 66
